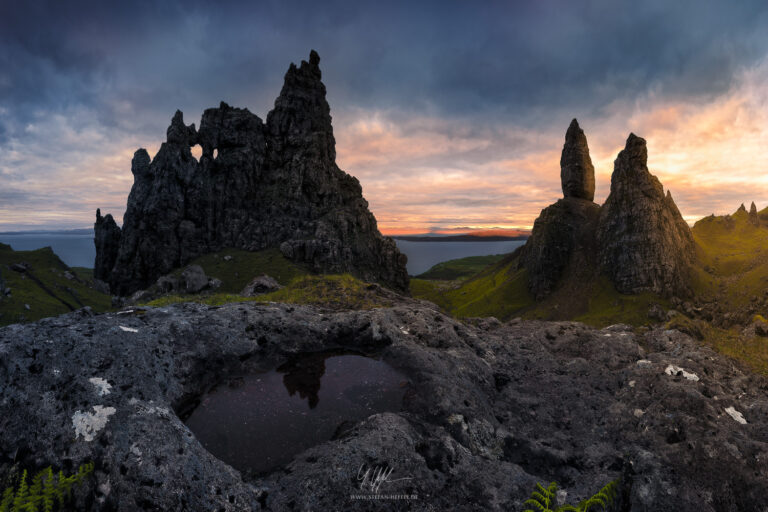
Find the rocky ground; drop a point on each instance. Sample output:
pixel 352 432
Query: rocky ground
pixel 490 409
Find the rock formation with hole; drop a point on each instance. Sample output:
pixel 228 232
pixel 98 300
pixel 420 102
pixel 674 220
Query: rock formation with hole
pixel 269 185
pixel 565 230
pixel 644 243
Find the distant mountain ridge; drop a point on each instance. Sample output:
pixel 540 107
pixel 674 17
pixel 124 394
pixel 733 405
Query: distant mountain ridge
pixel 469 237
pixel 79 231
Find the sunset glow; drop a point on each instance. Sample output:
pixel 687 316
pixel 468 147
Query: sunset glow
pixel 441 139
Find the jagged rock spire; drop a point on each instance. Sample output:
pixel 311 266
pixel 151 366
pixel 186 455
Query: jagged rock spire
pixel 275 185
pixel 577 174
pixel 107 240
pixel 754 219
pixel 645 245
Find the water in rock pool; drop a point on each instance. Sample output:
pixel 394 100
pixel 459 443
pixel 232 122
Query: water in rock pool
pixel 259 422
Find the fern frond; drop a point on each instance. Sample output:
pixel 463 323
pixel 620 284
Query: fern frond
pixel 538 505
pixel 5 504
pixel 49 490
pixel 21 494
pixel 567 508
pixel 592 502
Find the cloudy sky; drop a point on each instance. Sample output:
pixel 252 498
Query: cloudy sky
pixel 450 113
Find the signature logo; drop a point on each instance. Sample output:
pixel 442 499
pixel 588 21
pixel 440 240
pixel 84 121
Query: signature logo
pixel 372 478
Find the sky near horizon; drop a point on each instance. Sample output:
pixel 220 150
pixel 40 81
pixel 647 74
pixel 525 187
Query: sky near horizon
pixel 452 114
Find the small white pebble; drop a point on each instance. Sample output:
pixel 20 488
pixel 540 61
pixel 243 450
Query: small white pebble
pixel 638 413
pixel 128 329
pixel 632 383
pixel 676 370
pixel 736 415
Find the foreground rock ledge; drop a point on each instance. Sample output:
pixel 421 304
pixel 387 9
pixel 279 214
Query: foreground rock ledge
pixel 490 410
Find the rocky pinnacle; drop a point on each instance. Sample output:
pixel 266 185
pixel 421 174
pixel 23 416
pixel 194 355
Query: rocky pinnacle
pixel 644 243
pixel 576 171
pixel 754 219
pixel 257 185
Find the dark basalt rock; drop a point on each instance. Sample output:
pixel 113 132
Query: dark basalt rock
pixel 637 238
pixel 577 174
pixel 256 186
pixel 564 232
pixel 645 245
pixel 488 411
pixel 107 240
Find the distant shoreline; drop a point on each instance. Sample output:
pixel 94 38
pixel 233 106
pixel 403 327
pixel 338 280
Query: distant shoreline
pixel 460 238
pixel 83 231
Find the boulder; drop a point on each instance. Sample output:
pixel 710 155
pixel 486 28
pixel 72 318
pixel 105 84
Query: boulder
pixel 194 279
pixel 259 285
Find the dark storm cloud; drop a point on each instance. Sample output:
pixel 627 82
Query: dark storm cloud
pixel 83 83
pixel 445 58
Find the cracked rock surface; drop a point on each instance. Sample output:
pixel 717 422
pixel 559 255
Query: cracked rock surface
pixel 489 410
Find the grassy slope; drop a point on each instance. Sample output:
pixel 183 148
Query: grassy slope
pixel 733 256
pixel 461 268
pixel 49 269
pixel 245 265
pixel 336 292
pixel 501 290
pixel 330 291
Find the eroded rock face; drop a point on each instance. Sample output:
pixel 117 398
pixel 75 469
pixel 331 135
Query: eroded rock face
pixel 256 186
pixel 645 245
pixel 563 230
pixel 488 410
pixel 577 174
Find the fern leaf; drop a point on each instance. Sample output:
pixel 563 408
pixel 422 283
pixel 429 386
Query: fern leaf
pixel 537 504
pixel 548 491
pixel 591 502
pixel 58 489
pixel 21 494
pixel 49 490
pixel 7 501
pixel 567 508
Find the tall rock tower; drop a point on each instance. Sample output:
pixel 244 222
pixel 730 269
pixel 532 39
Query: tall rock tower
pixel 564 230
pixel 645 245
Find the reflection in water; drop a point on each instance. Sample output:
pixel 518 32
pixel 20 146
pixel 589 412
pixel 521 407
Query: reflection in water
pixel 304 375
pixel 268 418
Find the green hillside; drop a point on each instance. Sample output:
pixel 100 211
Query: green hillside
pixel 45 288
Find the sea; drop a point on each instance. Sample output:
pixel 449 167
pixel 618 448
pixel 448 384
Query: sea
pixel 77 250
